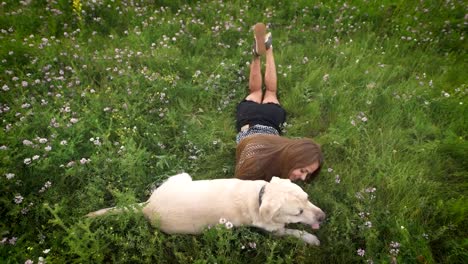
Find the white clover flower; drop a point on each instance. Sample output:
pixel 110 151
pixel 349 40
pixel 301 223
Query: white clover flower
pixel 337 178
pixel 27 161
pixel 12 240
pixel 359 196
pixel 35 157
pixel 363 214
pixel 229 225
pixel 394 248
pixel 48 184
pixel 74 120
pixel 361 252
pixel 97 142
pixel 46 251
pixel 27 142
pixel 43 140
pixel 394 244
pixel 63 142
pixel 18 199
pixel 222 220
pixel 25 211
pixel 196 74
pixel 326 77
pixel 9 176
pixel 394 251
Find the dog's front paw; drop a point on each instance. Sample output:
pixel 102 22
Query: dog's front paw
pixel 310 239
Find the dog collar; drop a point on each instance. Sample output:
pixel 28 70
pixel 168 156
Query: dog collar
pixel 260 195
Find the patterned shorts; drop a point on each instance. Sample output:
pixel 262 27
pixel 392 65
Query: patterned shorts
pixel 256 129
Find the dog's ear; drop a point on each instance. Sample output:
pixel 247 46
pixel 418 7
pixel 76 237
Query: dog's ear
pixel 268 209
pixel 275 179
pixel 271 203
pixel 279 180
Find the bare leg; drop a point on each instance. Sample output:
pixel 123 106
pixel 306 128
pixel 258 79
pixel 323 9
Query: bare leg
pixel 255 81
pixel 270 78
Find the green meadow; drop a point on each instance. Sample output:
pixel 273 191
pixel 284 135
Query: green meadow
pixel 103 100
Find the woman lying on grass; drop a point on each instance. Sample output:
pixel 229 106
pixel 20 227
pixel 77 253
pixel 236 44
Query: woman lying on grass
pixel 261 152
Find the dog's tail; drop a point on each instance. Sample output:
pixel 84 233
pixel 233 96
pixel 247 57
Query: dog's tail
pixel 116 210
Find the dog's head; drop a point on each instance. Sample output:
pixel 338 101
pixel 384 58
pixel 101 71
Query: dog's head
pixel 284 202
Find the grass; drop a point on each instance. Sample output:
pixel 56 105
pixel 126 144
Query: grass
pixel 99 106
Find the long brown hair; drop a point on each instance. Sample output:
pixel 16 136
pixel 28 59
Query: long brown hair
pixel 272 155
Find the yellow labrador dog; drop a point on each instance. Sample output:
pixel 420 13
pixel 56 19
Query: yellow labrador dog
pixel 183 206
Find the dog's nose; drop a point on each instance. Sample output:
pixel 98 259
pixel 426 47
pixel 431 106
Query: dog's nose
pixel 321 217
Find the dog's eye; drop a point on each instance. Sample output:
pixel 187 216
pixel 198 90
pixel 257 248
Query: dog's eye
pixel 300 211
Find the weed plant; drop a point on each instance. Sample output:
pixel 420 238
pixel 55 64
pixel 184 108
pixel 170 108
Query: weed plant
pixel 102 100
